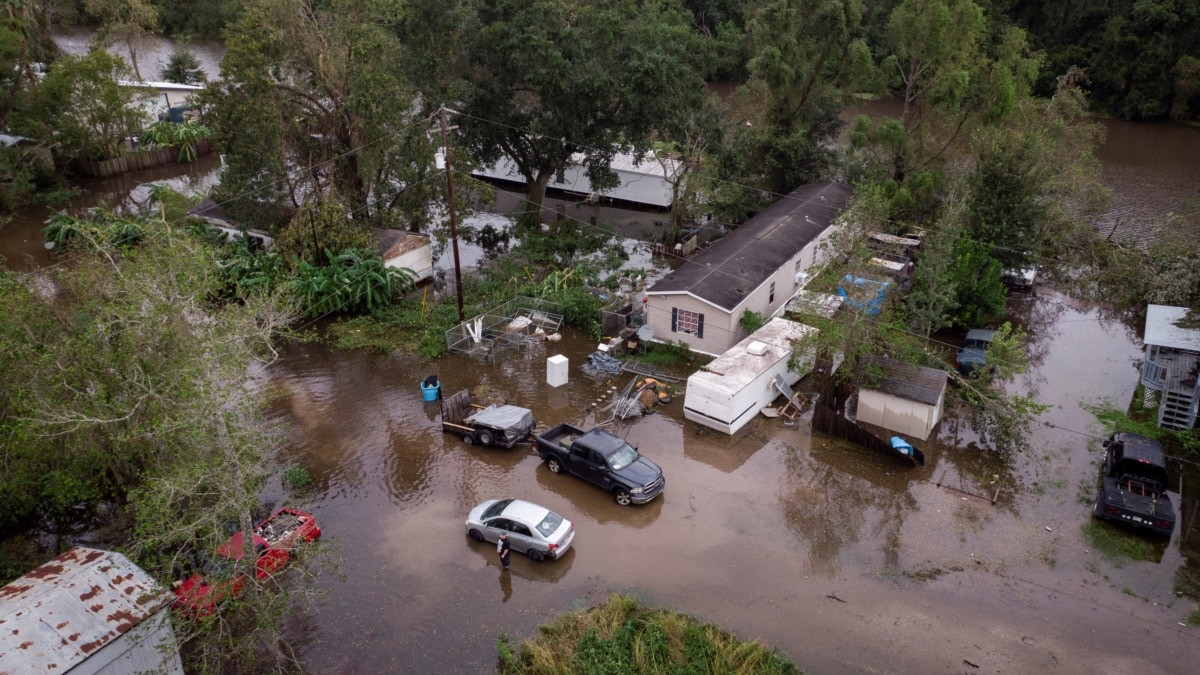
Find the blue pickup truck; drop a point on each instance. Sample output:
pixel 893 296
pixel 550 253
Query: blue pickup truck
pixel 602 459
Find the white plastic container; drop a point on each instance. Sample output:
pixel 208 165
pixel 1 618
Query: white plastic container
pixel 556 370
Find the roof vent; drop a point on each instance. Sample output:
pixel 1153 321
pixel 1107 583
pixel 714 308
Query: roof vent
pixel 756 348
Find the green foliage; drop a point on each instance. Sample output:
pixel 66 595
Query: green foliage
pixel 975 275
pixel 548 80
pixel 182 67
pixel 323 91
pixel 621 637
pixel 323 223
pixel 82 107
pixel 183 135
pixel 99 230
pixel 195 18
pixel 751 321
pixel 1118 544
pixel 355 280
pixel 248 270
pixel 296 479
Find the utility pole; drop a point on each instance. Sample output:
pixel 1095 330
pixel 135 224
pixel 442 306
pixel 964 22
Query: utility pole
pixel 450 200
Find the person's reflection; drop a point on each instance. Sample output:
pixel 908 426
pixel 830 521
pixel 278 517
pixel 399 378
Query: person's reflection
pixel 506 584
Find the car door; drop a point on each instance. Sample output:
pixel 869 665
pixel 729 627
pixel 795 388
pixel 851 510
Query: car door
pixel 521 539
pixel 493 527
pixel 594 469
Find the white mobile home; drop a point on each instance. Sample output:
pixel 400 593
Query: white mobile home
pixel 732 389
pixel 647 182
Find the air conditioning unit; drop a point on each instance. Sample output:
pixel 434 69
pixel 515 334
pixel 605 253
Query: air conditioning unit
pixel 802 278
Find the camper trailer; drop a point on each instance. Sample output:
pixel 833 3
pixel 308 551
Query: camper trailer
pixel 732 389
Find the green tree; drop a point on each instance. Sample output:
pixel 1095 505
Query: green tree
pixel 316 101
pixel 129 22
pixel 182 67
pixel 81 107
pixel 952 72
pixel 803 52
pixel 554 84
pixel 195 18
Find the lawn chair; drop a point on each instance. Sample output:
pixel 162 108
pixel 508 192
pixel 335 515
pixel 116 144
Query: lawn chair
pixel 795 400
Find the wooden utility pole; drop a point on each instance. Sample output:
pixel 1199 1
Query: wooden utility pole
pixel 450 201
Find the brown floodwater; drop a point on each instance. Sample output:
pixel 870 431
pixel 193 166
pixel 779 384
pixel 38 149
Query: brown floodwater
pixel 847 561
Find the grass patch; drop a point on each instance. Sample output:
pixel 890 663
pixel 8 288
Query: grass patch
pixel 1193 619
pixel 1116 544
pixel 621 637
pixel 674 358
pixel 297 479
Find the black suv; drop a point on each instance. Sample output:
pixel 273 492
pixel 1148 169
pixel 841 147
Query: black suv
pixel 1133 486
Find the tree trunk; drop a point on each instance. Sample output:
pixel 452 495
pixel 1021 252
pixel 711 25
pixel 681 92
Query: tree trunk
pixel 530 215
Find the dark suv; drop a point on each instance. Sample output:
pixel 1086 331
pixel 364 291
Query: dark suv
pixel 973 354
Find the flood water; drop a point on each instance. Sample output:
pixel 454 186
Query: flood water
pixel 846 561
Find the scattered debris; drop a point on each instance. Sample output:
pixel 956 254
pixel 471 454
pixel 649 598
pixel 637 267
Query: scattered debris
pixel 831 596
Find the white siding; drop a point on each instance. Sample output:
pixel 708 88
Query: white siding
pixel 898 414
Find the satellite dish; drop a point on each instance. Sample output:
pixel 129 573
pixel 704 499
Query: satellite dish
pixel 645 333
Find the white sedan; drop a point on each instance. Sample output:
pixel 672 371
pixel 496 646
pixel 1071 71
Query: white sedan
pixel 533 530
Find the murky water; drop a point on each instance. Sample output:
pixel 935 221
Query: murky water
pixel 847 561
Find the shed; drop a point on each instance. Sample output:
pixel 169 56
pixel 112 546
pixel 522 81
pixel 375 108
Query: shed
pixel 728 392
pixel 902 397
pixel 87 611
pixel 406 250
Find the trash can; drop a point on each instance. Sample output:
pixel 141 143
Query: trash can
pixel 430 388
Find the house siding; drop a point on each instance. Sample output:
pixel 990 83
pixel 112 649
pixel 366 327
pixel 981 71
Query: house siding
pixel 901 415
pixel 720 330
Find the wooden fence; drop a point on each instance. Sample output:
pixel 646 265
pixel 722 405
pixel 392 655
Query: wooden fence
pixel 137 161
pixel 829 421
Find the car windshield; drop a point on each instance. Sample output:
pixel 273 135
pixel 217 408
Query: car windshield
pixel 495 509
pixel 623 457
pixel 549 524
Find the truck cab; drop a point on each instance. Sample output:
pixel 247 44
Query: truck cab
pixel 602 459
pixel 1134 484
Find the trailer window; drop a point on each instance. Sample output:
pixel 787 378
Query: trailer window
pixel 688 322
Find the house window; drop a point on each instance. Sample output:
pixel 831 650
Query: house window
pixel 799 264
pixel 771 299
pixel 687 322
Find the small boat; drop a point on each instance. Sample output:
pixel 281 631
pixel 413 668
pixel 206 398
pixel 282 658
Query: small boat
pixel 906 450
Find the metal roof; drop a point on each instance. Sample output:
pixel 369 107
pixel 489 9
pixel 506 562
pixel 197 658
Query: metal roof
pixel 744 362
pixel 733 267
pixel 58 615
pixel 1161 328
pixel 915 383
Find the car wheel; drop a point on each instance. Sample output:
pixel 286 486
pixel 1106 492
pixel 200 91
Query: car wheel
pixel 469 439
pixel 1097 510
pixel 553 465
pixel 485 438
pixel 475 534
pixel 535 555
pixel 622 497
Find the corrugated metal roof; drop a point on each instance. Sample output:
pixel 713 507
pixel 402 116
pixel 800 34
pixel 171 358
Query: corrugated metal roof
pixel 915 383
pixel 728 271
pixel 1161 328
pixel 58 615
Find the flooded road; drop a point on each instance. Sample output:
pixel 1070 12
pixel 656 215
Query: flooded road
pixel 847 561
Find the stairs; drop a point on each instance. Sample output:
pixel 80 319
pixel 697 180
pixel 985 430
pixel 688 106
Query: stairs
pixel 1179 402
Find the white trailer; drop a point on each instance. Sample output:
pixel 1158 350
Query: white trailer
pixel 733 388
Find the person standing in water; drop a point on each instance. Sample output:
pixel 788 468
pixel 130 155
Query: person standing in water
pixel 503 549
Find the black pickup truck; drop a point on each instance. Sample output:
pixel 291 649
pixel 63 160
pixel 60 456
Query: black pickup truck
pixel 599 457
pixel 1134 489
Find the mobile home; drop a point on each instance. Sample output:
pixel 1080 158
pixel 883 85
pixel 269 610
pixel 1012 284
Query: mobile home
pixel 732 389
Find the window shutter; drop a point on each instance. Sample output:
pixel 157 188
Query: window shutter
pixel 700 327
pixel 674 319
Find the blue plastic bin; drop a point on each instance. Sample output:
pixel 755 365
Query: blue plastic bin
pixel 430 392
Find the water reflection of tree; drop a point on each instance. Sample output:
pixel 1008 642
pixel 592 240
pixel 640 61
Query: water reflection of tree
pixel 830 494
pixel 964 464
pixel 1038 316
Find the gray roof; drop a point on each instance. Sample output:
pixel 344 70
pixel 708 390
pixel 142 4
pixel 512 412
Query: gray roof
pixel 729 270
pixel 1161 328
pixel 915 383
pixel 61 613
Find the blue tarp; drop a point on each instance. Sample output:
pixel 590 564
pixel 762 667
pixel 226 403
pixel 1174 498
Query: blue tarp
pixel 863 294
